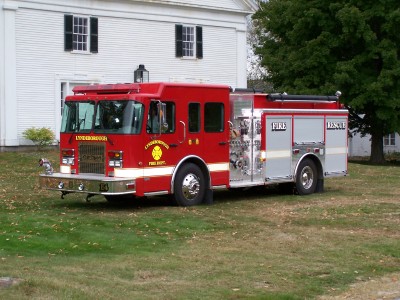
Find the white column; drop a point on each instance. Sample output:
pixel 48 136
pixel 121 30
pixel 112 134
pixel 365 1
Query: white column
pixel 241 58
pixel 8 79
pixel 2 75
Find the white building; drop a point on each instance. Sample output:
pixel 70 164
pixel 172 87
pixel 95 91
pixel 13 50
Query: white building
pixel 49 46
pixel 361 146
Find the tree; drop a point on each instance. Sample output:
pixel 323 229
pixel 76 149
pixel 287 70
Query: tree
pixel 256 74
pixel 321 46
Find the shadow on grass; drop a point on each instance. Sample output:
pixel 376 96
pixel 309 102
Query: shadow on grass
pixel 98 202
pixel 364 162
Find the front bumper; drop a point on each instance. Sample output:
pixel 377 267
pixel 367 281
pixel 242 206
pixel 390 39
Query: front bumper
pixel 87 183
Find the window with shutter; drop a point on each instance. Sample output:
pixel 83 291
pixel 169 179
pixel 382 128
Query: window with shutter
pixel 94 35
pixel 68 32
pixel 199 42
pixel 188 41
pixel 178 40
pixel 80 34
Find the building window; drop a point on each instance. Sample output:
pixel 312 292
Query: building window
pixel 80 34
pixel 389 140
pixel 63 95
pixel 189 41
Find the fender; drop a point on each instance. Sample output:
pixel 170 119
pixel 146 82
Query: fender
pixel 195 159
pixel 315 159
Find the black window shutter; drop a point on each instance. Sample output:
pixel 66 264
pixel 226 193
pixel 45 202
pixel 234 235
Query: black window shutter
pixel 199 42
pixel 94 35
pixel 68 33
pixel 178 41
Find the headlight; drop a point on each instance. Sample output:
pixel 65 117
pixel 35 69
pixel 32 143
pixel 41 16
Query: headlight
pixel 67 156
pixel 115 159
pixel 65 169
pixel 68 160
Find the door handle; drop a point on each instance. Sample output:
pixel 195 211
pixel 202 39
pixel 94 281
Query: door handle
pixel 184 132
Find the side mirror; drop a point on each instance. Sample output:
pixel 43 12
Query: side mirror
pixel 164 127
pixel 162 113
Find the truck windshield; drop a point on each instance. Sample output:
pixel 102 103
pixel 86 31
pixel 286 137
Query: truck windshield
pixel 77 117
pixel 120 117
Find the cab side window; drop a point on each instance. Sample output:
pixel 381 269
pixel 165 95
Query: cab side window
pixel 214 117
pixel 153 118
pixel 161 117
pixel 169 117
pixel 194 117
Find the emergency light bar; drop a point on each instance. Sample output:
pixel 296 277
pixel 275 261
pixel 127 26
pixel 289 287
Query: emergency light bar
pixel 248 90
pixel 107 88
pixel 283 97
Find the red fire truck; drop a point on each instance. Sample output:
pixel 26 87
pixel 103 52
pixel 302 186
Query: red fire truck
pixel 145 139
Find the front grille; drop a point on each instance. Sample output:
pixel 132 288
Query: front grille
pixel 92 158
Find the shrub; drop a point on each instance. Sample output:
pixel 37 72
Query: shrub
pixel 39 136
pixel 393 157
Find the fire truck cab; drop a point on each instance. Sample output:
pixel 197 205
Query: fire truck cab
pixel 144 139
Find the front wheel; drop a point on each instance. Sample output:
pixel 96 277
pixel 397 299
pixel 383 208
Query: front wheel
pixel 306 177
pixel 189 185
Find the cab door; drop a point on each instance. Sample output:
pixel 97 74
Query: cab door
pixel 193 136
pixel 162 146
pixel 216 141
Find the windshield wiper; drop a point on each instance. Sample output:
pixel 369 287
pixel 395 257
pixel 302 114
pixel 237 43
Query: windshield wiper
pixel 109 140
pixel 70 138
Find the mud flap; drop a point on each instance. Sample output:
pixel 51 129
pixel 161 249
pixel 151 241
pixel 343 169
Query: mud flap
pixel 209 197
pixel 320 186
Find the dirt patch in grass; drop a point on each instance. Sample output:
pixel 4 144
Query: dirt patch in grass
pixel 387 287
pixel 6 282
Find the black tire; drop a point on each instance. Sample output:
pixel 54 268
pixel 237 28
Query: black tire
pixel 189 185
pixel 306 177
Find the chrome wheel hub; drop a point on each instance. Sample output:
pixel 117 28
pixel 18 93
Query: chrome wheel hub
pixel 190 186
pixel 307 177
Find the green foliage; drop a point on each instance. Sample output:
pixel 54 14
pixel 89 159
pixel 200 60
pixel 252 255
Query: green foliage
pixel 323 46
pixel 40 136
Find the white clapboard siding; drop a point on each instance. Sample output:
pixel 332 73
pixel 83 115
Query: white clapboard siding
pixel 39 45
pixel 226 4
pixel 126 39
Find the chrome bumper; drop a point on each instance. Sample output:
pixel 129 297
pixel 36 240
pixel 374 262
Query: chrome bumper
pixel 87 183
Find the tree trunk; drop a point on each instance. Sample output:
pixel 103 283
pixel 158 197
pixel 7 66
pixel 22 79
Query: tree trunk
pixel 377 156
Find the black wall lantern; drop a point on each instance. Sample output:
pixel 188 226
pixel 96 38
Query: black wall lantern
pixel 141 74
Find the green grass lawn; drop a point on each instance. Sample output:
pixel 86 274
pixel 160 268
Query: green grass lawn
pixel 253 244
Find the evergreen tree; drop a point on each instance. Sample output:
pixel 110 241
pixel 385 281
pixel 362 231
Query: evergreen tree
pixel 321 46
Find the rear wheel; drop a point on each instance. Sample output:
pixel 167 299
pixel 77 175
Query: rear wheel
pixel 306 177
pixel 189 185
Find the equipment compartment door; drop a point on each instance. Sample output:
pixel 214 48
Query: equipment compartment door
pixel 336 145
pixel 246 167
pixel 278 148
